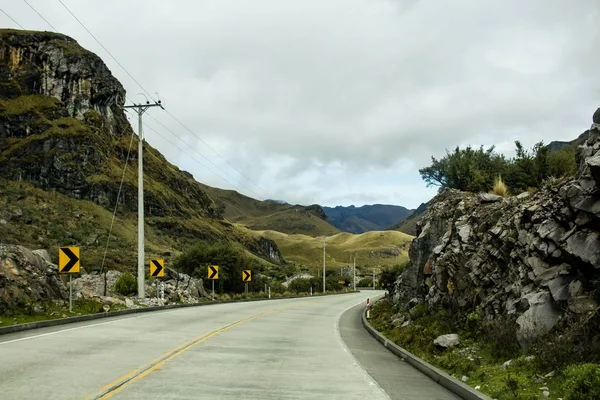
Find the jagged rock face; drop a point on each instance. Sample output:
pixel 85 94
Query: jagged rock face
pixel 535 258
pixel 27 277
pixel 62 128
pixel 55 65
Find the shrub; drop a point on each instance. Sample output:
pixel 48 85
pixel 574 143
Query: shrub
pixel 499 187
pixel 126 285
pixel 582 382
pixel 300 285
pixel 500 338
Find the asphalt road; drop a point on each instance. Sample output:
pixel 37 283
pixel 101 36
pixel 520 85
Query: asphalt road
pixel 283 349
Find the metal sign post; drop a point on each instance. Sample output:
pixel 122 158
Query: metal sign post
pixel 69 263
pixel 213 289
pixel 70 293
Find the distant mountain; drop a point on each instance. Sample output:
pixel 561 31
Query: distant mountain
pixel 409 225
pixel 557 145
pixel 374 217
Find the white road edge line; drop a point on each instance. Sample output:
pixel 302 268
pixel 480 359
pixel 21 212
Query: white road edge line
pixel 70 329
pixel 336 327
pixel 145 315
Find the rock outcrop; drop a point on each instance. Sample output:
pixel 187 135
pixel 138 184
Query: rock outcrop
pixel 176 287
pixel 27 277
pixel 533 258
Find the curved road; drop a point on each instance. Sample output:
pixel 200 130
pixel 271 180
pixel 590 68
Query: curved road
pixel 283 349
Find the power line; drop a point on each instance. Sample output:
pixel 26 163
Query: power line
pixel 12 19
pixel 105 49
pixel 150 95
pixel 40 15
pixel 217 153
pixel 203 156
pixel 116 203
pixel 206 158
pixel 187 154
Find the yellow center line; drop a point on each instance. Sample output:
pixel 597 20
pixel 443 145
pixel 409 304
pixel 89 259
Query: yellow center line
pixel 135 375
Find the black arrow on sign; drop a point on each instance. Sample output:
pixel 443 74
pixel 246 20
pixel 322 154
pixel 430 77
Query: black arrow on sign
pixel 213 272
pixel 157 268
pixel 246 276
pixel 73 259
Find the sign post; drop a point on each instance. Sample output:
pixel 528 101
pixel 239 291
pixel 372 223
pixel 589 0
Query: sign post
pixel 213 275
pixel 247 277
pixel 157 270
pixel 69 263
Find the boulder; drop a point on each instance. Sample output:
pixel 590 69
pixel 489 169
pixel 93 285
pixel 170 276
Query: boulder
pixel 559 288
pixel 446 341
pixel 539 318
pixel 582 304
pixel 506 364
pixel 398 322
pixel 586 246
pixel 594 164
pixel 489 198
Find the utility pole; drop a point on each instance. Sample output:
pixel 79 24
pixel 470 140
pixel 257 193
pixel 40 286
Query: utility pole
pixel 140 109
pixel 324 265
pixel 354 274
pixel 373 278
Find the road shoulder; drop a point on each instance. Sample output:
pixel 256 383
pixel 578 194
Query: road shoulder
pixel 397 378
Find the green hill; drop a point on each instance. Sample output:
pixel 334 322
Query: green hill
pixel 271 215
pixel 372 249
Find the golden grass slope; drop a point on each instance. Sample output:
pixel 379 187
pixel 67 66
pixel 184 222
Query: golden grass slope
pixel 372 249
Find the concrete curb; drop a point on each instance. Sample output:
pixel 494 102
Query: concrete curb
pixel 454 385
pixel 82 318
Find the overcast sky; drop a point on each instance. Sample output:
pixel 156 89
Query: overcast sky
pixel 340 102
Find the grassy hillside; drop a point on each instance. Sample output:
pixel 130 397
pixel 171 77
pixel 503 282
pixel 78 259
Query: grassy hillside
pixel 374 217
pixel 271 215
pixel 37 218
pixel 372 249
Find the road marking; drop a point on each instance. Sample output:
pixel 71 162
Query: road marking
pixel 107 391
pixel 71 329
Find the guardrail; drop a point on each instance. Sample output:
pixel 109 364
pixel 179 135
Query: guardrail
pixel 89 317
pixel 454 385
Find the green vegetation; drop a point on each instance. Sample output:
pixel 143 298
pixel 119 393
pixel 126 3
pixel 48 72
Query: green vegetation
pixel 48 310
pixel 475 170
pixel 389 274
pixel 26 104
pixel 231 261
pixel 582 382
pixel 557 361
pixel 372 249
pixel 126 285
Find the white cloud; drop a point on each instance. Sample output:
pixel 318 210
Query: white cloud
pixel 341 101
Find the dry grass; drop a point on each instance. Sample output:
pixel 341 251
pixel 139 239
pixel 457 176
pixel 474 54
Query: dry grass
pixel 499 187
pixel 371 248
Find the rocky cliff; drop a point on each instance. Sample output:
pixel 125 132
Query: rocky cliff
pixel 62 127
pixel 532 259
pixel 62 130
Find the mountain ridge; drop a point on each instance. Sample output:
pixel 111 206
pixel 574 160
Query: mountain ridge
pixel 371 217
